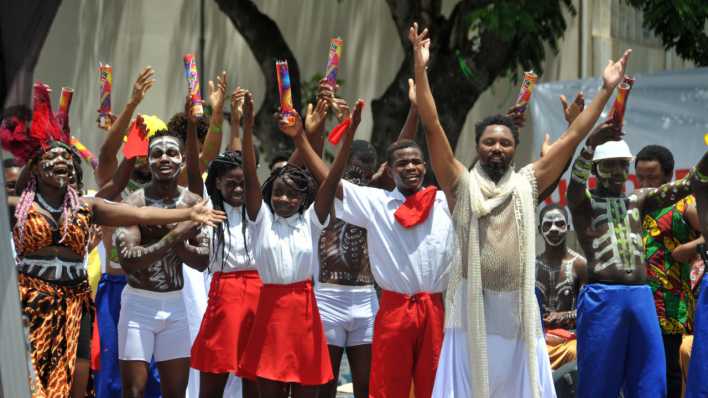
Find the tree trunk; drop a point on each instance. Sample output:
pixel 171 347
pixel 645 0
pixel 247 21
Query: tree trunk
pixel 268 45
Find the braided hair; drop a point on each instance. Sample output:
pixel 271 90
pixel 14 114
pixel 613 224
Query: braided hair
pixel 296 178
pixel 70 204
pixel 222 164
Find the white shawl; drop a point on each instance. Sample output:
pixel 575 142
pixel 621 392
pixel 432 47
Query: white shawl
pixel 481 198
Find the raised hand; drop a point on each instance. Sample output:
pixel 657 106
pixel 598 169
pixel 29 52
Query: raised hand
pixel 570 112
pixel 217 92
pixel 518 114
pixel 238 98
pixel 202 214
pixel 421 45
pixel 340 107
pixel 356 115
pixel 249 117
pixel 291 130
pixel 614 71
pixel 188 110
pixel 411 93
pixel 145 81
pixel 603 133
pixel 315 116
pixel 546 146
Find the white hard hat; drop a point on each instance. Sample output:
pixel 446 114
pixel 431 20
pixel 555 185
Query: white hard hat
pixel 612 150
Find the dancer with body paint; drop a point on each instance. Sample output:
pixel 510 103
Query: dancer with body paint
pixel 616 309
pixel 152 322
pixel 51 231
pixel 559 274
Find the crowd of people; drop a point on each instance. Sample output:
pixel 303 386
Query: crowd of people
pixel 430 292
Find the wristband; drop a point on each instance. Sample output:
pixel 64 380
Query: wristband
pixel 215 128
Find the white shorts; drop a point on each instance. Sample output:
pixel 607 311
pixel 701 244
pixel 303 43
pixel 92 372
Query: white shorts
pixel 152 324
pixel 347 313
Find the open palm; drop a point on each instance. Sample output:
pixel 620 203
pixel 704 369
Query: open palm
pixel 421 45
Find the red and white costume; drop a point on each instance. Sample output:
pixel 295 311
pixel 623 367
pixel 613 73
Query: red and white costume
pixel 287 343
pixel 233 298
pixel 410 265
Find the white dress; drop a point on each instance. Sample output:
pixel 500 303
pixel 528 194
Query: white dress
pixel 507 358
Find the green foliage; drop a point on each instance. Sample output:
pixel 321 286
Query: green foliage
pixel 680 24
pixel 527 25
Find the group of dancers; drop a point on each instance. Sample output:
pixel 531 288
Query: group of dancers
pixel 429 292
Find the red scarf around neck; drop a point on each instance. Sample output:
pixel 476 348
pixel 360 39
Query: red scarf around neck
pixel 416 208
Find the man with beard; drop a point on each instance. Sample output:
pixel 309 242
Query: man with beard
pixel 493 341
pixel 664 231
pixel 559 274
pixel 698 369
pixel 616 309
pixel 153 316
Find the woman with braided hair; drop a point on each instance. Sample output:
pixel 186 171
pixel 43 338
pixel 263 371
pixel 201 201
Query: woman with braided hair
pixel 51 232
pixel 287 349
pixel 235 285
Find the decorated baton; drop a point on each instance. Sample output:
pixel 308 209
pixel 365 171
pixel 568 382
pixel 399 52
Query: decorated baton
pixel 105 76
pixel 286 95
pixel 335 54
pixel 64 105
pixel 84 152
pixel 527 86
pixel 192 75
pixel 620 104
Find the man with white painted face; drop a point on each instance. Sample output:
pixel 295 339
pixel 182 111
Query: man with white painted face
pixel 560 271
pixel 153 319
pixel 668 233
pixel 616 308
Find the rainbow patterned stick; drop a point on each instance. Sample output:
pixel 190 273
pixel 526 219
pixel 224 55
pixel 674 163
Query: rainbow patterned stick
pixel 620 104
pixel 286 95
pixel 335 54
pixel 105 73
pixel 192 75
pixel 84 152
pixel 64 104
pixel 527 86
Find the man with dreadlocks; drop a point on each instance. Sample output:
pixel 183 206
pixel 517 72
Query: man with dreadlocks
pixel 493 341
pixel 152 321
pixel 235 284
pixel 51 232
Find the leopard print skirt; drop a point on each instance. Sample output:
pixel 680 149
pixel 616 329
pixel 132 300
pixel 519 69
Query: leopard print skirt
pixel 53 313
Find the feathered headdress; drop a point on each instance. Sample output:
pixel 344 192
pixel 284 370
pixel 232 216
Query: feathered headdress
pixel 25 143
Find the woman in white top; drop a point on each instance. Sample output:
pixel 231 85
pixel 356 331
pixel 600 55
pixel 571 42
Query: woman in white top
pixel 235 285
pixel 287 348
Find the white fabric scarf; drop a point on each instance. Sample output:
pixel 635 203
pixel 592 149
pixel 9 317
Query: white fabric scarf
pixel 484 197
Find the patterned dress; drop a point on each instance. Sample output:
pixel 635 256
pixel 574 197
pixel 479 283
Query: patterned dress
pixel 662 231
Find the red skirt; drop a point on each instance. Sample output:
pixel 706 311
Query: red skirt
pixel 288 342
pixel 227 322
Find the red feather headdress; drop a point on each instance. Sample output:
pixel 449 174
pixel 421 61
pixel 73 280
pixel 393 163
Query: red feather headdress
pixel 23 142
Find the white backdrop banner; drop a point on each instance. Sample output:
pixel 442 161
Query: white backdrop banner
pixel 668 108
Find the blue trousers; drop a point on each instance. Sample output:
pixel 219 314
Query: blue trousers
pixel 107 379
pixel 697 383
pixel 619 343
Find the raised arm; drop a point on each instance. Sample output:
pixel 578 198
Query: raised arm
pixel 119 180
pixel 237 98
pixel 107 155
pixel 317 167
pixel 119 214
pixel 447 169
pixel 315 117
pixel 550 167
pixel 194 176
pixel 330 185
pixel 410 127
pixel 212 141
pixel 254 198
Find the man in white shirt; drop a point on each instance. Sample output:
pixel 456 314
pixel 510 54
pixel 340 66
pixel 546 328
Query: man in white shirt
pixel 410 244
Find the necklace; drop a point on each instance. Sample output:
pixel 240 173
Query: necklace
pixel 46 205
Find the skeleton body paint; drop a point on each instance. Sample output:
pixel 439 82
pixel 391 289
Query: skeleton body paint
pixel 344 258
pixel 54 157
pixel 554 227
pixel 165 157
pixel 558 285
pixel 164 274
